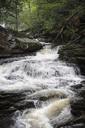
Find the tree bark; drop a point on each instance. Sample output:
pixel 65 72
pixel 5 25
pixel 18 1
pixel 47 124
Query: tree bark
pixel 17 24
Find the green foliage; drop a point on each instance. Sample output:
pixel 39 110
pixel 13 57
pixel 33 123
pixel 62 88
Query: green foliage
pixel 39 15
pixel 48 13
pixel 9 12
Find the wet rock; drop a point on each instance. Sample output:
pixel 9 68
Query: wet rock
pixel 76 87
pixel 79 89
pixel 79 125
pixel 74 53
pixel 6 122
pixel 78 107
pixel 47 94
pixel 8 100
pixel 28 45
pixel 25 105
pixel 78 102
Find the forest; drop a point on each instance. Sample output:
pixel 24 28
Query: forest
pixel 57 21
pixel 42 63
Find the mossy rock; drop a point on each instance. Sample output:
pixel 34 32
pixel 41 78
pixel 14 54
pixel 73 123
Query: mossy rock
pixel 28 45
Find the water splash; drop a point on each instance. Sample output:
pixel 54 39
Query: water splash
pixel 41 71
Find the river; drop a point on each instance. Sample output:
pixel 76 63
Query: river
pixel 30 85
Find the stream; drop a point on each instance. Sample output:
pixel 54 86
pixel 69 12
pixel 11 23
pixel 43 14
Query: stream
pixel 35 90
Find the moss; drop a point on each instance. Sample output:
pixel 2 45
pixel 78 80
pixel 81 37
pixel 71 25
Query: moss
pixel 16 45
pixel 28 45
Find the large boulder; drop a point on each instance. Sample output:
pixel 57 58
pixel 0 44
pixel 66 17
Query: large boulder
pixel 11 45
pixel 28 45
pixel 74 53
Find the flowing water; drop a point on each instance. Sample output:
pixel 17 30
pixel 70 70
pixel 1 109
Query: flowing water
pixel 31 87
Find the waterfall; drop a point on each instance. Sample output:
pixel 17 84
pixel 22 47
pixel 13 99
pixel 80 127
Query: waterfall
pixel 42 78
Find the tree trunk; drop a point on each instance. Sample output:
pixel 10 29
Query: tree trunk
pixel 17 14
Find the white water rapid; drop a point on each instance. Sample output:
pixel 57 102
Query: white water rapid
pixel 46 76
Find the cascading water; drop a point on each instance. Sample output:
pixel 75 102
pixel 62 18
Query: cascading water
pixel 42 79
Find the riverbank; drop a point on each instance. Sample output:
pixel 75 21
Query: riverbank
pixel 74 53
pixel 12 44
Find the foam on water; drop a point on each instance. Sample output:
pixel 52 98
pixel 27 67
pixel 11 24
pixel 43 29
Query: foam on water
pixel 41 71
pixel 40 118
